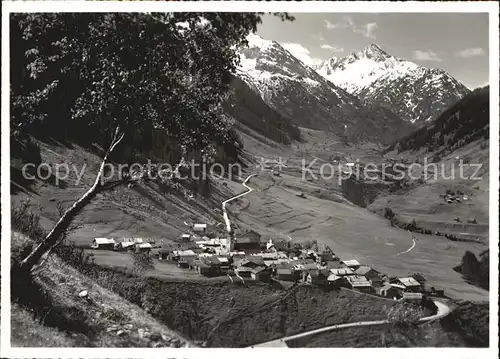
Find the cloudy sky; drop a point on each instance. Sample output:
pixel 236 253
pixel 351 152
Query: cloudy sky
pixel 457 43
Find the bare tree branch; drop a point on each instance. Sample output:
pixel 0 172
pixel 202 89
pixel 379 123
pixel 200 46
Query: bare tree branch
pixel 56 235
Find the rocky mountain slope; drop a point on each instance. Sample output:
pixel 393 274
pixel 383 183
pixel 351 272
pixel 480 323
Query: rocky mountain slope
pixel 415 93
pixel 462 123
pixel 250 111
pixel 310 100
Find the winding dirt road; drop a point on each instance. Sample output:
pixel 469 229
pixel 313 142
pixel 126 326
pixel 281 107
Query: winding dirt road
pixel 442 311
pixel 224 210
pixel 409 249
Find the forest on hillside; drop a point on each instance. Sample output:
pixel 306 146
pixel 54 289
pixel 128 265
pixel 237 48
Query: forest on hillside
pixel 248 108
pixel 162 79
pixel 464 122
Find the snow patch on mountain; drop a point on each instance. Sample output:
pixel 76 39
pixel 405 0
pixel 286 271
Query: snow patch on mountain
pixel 299 92
pixel 406 88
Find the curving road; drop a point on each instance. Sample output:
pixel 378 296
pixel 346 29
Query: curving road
pixel 442 311
pixel 409 249
pixel 226 217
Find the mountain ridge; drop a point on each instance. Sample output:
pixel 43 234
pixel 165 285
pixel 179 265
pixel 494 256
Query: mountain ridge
pixel 402 86
pixel 298 92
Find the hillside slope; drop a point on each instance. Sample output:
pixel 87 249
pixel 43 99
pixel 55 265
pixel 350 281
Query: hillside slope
pixel 57 314
pixel 300 93
pixel 250 111
pixel 459 137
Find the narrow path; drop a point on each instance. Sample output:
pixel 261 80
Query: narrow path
pixel 442 311
pixel 409 249
pixel 226 217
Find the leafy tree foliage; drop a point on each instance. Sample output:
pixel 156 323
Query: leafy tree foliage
pixel 143 262
pixel 474 270
pixel 81 75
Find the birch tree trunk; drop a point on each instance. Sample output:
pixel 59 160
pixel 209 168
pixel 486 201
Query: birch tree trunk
pixel 56 235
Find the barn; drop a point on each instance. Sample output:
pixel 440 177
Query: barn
pixel 103 243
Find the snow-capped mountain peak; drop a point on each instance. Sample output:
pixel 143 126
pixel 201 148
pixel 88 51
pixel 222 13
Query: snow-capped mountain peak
pixel 375 52
pixel 402 86
pixel 297 91
pixel 358 70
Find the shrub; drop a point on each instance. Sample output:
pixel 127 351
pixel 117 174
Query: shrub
pixel 412 225
pixel 388 213
pixel 404 314
pixel 143 262
pixel 27 222
pixel 74 256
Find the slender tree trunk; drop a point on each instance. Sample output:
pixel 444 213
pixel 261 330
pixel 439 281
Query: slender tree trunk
pixel 56 235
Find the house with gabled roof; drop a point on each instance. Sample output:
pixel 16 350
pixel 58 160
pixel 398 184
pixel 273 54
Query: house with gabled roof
pixel 284 274
pixel 342 272
pixel 261 274
pixel 317 277
pixel 103 243
pixel 410 284
pixel 359 283
pixel 352 263
pixel 392 290
pixel 371 274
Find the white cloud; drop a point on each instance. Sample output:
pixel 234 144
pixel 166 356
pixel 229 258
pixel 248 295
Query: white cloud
pixel 331 48
pixel 426 56
pixel 300 52
pixel 330 25
pixel 368 30
pixel 319 37
pixel 470 52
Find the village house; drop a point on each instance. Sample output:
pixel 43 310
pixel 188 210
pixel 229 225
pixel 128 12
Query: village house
pixel 301 270
pixel 143 247
pixel 103 243
pixel 352 264
pixel 393 291
pixel 327 256
pixel 215 264
pixel 185 262
pixel 412 297
pixel 182 255
pixel 235 257
pixel 248 245
pixel 419 278
pixel 186 237
pixel 243 271
pixel 200 228
pixel 317 277
pixel 371 274
pixel 284 274
pixel 410 284
pixel 201 267
pixel 333 264
pixel 125 245
pixel 261 274
pixel 250 262
pixel 359 283
pixel 334 281
pixel 224 264
pixel 342 272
